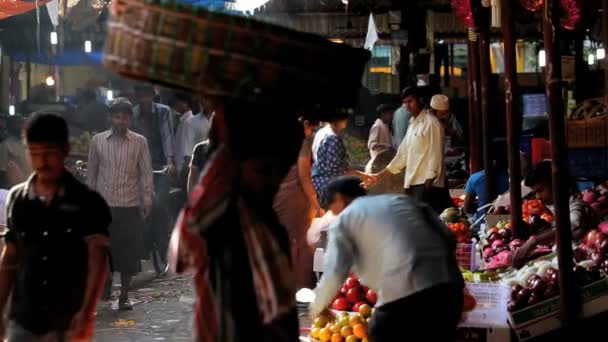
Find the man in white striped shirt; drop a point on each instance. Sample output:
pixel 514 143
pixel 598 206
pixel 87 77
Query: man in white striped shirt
pixel 121 171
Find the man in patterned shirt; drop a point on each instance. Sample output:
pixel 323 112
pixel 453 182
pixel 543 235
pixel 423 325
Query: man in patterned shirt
pixel 582 216
pixel 121 170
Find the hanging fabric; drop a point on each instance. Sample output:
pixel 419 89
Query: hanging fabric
pixel 496 13
pixel 372 33
pixel 52 7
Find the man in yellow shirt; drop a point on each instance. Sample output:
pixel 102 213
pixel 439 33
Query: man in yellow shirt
pixel 421 154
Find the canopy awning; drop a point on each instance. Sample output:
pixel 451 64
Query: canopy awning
pixel 66 58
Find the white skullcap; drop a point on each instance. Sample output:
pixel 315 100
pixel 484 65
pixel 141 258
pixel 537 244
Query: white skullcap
pixel 440 102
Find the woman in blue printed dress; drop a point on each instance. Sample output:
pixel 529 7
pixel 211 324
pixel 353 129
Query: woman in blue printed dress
pixel 331 158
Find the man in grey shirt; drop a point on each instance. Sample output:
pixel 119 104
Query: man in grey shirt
pixel 401 121
pixel 399 248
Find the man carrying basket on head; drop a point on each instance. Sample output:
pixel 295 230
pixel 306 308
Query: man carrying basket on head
pixel 229 234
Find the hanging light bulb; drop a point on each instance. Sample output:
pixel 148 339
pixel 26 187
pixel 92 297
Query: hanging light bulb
pixel 50 81
pixel 54 38
pixel 600 53
pixel 88 46
pixel 11 110
pixel 110 95
pixel 542 58
pixel 591 59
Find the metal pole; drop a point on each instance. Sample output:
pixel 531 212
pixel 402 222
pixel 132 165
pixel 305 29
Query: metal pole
pixel 474 103
pixel 446 65
pixel 580 68
pixel 452 59
pixel 28 77
pixel 605 36
pixel 512 114
pixel 485 73
pixel 570 299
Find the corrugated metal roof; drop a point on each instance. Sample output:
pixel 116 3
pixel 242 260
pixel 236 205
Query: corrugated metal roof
pixel 330 25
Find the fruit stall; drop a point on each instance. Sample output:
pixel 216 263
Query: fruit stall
pixel 352 308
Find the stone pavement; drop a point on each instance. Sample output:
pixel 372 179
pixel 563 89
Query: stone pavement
pixel 162 311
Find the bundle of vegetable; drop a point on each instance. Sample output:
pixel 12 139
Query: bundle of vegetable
pixel 457 223
pixel 357 150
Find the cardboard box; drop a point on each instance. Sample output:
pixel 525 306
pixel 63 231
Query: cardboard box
pixel 543 317
pixel 491 308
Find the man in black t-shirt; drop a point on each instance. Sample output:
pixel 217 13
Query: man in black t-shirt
pixel 55 258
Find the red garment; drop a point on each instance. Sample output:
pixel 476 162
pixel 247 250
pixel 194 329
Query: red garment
pixel 269 264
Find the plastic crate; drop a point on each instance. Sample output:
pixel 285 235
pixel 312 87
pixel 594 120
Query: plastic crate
pixel 588 162
pixel 465 255
pixel 491 308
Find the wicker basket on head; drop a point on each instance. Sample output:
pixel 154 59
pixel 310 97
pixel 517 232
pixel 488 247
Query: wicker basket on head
pixel 215 53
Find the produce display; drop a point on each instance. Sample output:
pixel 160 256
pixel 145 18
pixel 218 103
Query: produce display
pixel 597 198
pixel 458 224
pixel 354 305
pixel 499 244
pixel 540 281
pixel 343 327
pixel 594 247
pixel 80 145
pixel 352 296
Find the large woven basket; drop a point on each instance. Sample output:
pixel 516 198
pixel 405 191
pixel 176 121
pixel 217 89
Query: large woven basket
pixel 215 53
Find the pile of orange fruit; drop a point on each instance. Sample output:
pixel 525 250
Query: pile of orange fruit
pixel 344 327
pixel 460 230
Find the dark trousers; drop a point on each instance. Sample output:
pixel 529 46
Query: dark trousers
pixel 438 198
pixel 429 315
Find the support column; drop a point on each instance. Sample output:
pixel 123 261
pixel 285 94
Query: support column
pixel 513 114
pixel 482 19
pixel 605 39
pixel 569 292
pixel 474 102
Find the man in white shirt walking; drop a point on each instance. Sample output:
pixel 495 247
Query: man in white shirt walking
pixel 186 133
pixel 120 169
pixel 421 153
pixel 399 248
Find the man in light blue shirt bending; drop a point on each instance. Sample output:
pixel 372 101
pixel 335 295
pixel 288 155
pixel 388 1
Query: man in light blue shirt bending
pixel 399 248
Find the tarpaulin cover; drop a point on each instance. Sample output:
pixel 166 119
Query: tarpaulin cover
pixel 9 8
pixel 65 58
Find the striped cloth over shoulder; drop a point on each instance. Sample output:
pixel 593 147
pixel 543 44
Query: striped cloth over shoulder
pixel 582 215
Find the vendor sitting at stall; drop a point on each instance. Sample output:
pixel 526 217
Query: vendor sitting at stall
pixel 582 216
pixel 476 185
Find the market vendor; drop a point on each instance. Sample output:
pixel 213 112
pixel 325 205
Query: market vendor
pixel 421 154
pixel 400 249
pixel 582 216
pixel 476 189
